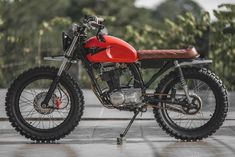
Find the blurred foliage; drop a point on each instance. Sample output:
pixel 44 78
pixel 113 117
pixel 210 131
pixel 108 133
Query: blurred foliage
pixel 180 33
pixel 30 30
pixel 172 8
pixel 222 44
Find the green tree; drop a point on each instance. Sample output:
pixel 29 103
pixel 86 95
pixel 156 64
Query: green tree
pixel 19 33
pixel 118 14
pixel 222 44
pixel 172 8
pixel 180 33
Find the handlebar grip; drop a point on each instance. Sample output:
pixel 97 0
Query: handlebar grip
pixel 100 19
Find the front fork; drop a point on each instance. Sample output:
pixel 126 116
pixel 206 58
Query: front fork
pixel 182 81
pixel 63 66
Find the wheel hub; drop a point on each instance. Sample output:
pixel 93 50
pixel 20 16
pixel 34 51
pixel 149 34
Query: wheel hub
pixel 195 106
pixel 42 109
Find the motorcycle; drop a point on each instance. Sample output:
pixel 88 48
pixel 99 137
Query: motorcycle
pixel 190 102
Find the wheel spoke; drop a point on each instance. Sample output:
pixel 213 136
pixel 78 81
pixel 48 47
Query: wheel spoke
pixel 33 94
pixel 200 90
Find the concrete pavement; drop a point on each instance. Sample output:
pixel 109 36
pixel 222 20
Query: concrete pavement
pixel 98 138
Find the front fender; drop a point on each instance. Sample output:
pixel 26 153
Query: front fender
pixel 58 58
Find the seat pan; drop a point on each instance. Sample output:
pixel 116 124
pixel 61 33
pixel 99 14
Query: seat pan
pixel 188 53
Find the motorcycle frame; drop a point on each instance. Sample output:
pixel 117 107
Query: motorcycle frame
pixel 77 51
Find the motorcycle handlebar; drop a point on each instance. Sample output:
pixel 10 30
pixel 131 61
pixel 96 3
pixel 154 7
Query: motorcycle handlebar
pixel 96 25
pixel 89 22
pixel 93 21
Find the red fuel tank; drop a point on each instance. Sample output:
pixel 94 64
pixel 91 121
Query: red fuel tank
pixel 112 50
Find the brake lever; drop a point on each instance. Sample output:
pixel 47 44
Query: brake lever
pixel 96 25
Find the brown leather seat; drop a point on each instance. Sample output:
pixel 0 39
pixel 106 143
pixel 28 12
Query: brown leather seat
pixel 188 53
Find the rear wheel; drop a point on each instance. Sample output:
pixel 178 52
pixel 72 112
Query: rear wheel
pixel 205 114
pixel 34 121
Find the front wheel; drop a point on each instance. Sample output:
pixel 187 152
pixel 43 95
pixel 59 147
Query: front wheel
pixel 206 113
pixel 33 120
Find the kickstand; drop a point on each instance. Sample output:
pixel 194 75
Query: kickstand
pixel 120 139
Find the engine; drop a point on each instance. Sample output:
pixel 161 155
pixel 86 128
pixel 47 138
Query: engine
pixel 120 94
pixel 126 96
pixel 111 72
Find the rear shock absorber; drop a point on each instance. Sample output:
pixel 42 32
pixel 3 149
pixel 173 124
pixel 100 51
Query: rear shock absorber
pixel 182 80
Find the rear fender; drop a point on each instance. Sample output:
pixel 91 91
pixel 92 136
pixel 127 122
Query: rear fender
pixel 195 62
pixel 153 64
